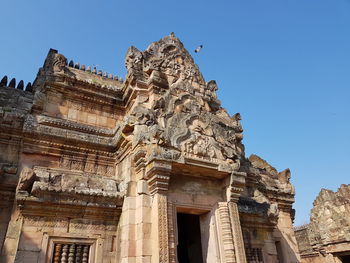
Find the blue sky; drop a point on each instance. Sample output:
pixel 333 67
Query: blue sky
pixel 283 64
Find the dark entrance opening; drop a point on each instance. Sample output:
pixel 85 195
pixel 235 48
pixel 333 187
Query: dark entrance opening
pixel 189 248
pixel 345 259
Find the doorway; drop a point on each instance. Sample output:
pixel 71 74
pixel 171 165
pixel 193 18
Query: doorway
pixel 189 248
pixel 345 259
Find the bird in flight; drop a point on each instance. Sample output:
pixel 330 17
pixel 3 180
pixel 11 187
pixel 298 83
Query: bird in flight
pixel 198 49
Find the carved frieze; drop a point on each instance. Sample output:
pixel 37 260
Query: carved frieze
pixel 43 184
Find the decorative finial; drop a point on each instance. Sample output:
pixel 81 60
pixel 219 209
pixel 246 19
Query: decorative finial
pixel 3 82
pixel 29 87
pixel 20 85
pixel 12 83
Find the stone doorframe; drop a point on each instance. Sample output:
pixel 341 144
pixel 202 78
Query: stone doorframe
pixel 173 209
pixel 163 234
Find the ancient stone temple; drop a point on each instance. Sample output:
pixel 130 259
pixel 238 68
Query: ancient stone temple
pixel 327 238
pixel 146 169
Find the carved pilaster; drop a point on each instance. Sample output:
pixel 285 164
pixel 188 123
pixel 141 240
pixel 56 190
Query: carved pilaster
pixel 237 233
pixel 227 245
pixel 158 175
pixel 237 181
pixel 163 237
pixel 172 245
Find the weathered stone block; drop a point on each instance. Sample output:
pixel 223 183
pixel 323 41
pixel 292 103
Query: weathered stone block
pixel 128 232
pixel 144 247
pixel 30 241
pixel 142 187
pixel 143 231
pixel 143 259
pixel 72 114
pixel 143 215
pixel 129 203
pixel 143 201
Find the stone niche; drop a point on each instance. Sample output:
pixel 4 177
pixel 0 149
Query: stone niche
pixel 95 168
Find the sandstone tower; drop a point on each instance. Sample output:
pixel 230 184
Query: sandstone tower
pixel 149 169
pixel 327 238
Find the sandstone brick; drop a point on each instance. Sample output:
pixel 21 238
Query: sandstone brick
pixel 129 203
pixel 30 241
pixel 91 119
pixel 101 121
pixel 143 215
pixel 144 247
pixel 63 111
pixel 143 201
pixel 143 231
pixel 27 257
pixel 142 187
pixel 72 114
pixel 83 117
pixel 143 259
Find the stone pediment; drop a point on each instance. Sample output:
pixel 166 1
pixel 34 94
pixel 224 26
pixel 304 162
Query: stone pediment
pixel 181 112
pixel 168 56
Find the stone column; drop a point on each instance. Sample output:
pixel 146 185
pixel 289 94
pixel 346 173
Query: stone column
pixel 237 182
pixel 158 175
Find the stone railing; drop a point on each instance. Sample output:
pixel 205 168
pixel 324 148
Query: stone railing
pixel 12 84
pixel 93 70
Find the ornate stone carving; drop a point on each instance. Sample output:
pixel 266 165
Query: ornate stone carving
pixel 171 232
pixel 163 228
pixel 133 59
pixel 59 63
pixel 237 232
pixel 44 183
pixel 226 233
pixel 27 179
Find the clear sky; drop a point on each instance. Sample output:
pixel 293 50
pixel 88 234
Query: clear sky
pixel 283 64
